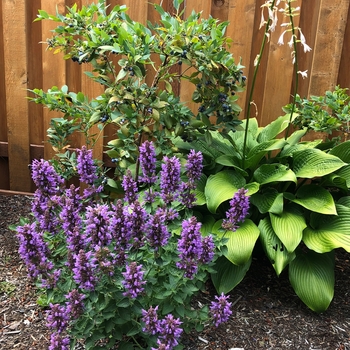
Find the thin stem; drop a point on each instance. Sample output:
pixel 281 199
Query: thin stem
pixel 250 100
pixel 295 68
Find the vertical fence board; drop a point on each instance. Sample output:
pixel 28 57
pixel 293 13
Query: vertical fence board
pixel 344 69
pixel 3 126
pixel 242 36
pixel 15 53
pixel 330 36
pixel 53 67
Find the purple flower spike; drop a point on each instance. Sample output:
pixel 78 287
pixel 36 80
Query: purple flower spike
pixel 170 179
pixel 150 319
pixel 157 232
pixel 86 167
pixel 239 207
pixel 57 342
pixel 148 162
pixel 194 165
pixel 190 247
pixel 45 177
pixel 130 188
pixel 84 270
pixel 208 249
pixel 133 280
pixel 170 332
pixel 75 303
pixel 220 310
pixel 58 317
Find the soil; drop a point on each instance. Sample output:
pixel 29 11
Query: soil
pixel 266 312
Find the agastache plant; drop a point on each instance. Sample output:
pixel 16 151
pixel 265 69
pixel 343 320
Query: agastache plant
pixel 125 272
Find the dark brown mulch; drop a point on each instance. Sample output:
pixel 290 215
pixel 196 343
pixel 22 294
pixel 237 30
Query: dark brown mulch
pixel 266 314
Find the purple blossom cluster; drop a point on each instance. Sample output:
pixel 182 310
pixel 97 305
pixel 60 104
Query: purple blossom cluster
pixel 58 319
pixel 84 270
pixel 167 329
pixel 193 248
pixel 97 225
pixel 148 163
pixel 75 303
pixel 220 309
pixel 33 250
pixel 157 233
pixel 239 207
pixel 133 280
pixel 130 188
pixel 170 179
pixel 86 168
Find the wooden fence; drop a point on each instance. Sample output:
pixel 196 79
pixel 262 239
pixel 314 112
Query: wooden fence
pixel 25 64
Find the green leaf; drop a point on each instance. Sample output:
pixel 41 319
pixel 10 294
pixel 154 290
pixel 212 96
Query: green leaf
pixel 273 247
pixel 240 243
pixel 315 198
pixel 329 232
pixel 344 173
pixel 199 191
pixel 270 131
pixel 313 162
pixel 312 277
pixel 268 173
pixel 221 187
pixel 342 151
pixel 228 275
pixel 270 200
pixel 289 226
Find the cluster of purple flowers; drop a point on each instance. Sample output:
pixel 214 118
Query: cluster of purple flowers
pixel 148 163
pixel 220 309
pixel 193 248
pixel 239 207
pixel 167 329
pixel 133 280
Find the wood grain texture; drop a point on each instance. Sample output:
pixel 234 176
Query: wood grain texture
pixel 15 66
pixel 53 67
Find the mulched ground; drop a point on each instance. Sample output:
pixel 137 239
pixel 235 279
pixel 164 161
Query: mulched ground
pixel 266 314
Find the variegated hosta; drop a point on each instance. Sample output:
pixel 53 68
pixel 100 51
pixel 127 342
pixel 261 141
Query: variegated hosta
pixel 300 209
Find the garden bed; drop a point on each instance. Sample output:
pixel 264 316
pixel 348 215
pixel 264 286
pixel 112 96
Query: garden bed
pixel 266 312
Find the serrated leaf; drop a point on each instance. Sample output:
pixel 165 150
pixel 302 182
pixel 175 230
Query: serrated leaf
pixel 312 278
pixel 221 187
pixel 313 162
pixel 273 247
pixel 289 226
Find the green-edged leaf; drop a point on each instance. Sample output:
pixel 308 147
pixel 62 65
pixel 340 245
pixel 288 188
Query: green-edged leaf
pixel 228 275
pixel 329 232
pixel 296 136
pixel 268 173
pixel 342 151
pixel 289 151
pixel 268 201
pixel 199 191
pixel 221 187
pixel 313 162
pixel 315 198
pixel 344 173
pixel 270 131
pixel 289 226
pixel 252 188
pixel 240 243
pixel 312 277
pixel 273 247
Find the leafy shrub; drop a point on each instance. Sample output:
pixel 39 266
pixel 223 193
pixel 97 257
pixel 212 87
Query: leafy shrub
pixel 124 273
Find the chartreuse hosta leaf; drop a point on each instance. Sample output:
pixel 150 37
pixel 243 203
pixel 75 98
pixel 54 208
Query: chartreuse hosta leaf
pixel 270 131
pixel 310 163
pixel 315 198
pixel 289 226
pixel 228 275
pixel 329 232
pixel 342 151
pixel 344 173
pixel 240 243
pixel 274 248
pixel 199 192
pixel 312 278
pixel 268 173
pixel 268 201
